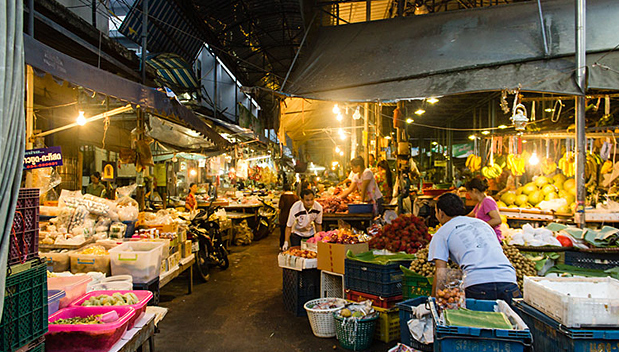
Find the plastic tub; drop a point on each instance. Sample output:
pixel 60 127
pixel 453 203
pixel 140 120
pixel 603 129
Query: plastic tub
pixel 111 286
pixel 143 297
pixel 56 262
pixel 53 300
pixel 73 286
pixel 141 260
pixel 117 278
pixel 84 263
pixel 86 337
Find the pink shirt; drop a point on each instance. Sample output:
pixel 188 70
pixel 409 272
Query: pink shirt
pixel 481 212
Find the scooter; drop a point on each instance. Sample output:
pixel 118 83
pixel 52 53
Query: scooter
pixel 207 243
pixel 267 220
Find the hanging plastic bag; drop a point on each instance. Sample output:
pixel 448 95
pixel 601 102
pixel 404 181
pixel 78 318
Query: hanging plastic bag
pixel 127 207
pixel 449 289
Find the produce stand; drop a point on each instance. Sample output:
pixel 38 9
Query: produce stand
pixel 359 221
pixel 184 264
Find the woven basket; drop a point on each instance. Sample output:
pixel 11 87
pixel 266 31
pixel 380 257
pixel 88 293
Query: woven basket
pixel 356 335
pixel 321 320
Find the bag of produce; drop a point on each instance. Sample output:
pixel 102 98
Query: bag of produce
pixel 449 290
pixel 127 207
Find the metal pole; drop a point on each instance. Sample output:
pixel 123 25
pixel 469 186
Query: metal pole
pixel 368 10
pixel 581 62
pixel 543 27
pixel 296 55
pixel 141 114
pixel 31 18
pixel 94 13
pixel 144 37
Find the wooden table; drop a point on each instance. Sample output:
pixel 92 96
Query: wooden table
pixel 143 331
pixel 184 264
pixel 358 221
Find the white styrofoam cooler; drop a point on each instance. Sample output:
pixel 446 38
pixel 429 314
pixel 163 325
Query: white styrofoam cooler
pixel 575 302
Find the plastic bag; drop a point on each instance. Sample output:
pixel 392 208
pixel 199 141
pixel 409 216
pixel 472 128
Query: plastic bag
pixel 449 289
pixel 127 207
pixel 66 195
pixel 243 234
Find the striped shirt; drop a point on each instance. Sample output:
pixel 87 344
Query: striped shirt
pixel 302 220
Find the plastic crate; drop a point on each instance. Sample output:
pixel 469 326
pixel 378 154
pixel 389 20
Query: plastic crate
pixel 37 345
pixel 24 317
pixel 331 285
pixel 415 287
pixel 355 335
pixel 376 279
pixel 592 260
pixel 406 314
pixel 470 339
pixel 152 286
pixel 550 335
pixel 24 242
pixel 298 287
pixel 141 260
pixel 388 328
pixel 377 301
pixel 575 302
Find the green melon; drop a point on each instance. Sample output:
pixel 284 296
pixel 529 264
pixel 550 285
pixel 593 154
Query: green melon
pixel 536 197
pixel 529 188
pixel 521 199
pixel 508 198
pixel 540 181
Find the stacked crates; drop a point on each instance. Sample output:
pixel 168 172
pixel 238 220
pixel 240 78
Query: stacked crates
pixel 24 314
pixel 382 284
pixel 298 287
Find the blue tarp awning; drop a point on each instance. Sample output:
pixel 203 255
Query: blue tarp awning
pixel 174 72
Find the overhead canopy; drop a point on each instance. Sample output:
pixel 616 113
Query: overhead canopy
pixel 152 100
pixel 485 49
pixel 174 72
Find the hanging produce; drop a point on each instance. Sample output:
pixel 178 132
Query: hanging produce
pixel 515 164
pixel 473 162
pixel 567 164
pixel 492 171
pixel 548 166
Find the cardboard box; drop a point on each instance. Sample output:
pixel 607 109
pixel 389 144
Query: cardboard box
pixel 173 260
pixel 331 256
pixel 186 249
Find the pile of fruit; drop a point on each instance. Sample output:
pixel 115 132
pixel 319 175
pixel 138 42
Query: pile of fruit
pixel 542 188
pixel 523 265
pixel 422 267
pixel 406 233
pixel 94 250
pixel 515 163
pixel 116 299
pixel 91 319
pixel 345 236
pixel 333 204
pixel 303 253
pixel 450 298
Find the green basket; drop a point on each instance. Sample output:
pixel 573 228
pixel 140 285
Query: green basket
pixel 353 334
pixel 24 317
pixel 415 286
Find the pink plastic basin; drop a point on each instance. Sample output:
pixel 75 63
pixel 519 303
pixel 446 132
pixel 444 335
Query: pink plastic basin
pixel 143 295
pixel 86 337
pixel 73 286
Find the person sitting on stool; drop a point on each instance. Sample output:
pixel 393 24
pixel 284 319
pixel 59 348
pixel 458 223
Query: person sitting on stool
pixel 304 220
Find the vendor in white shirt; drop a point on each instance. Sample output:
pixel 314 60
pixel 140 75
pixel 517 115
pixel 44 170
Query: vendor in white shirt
pixel 304 221
pixel 471 243
pixel 364 182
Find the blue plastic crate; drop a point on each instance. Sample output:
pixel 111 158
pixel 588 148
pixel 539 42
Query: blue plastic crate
pixel 375 279
pixel 469 339
pixel 550 335
pixel 298 287
pixel 406 313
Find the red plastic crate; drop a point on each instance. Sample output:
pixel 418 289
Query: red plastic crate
pixel 24 238
pixel 381 302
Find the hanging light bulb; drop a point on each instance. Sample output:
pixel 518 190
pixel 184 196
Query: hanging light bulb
pixel 336 109
pixel 472 137
pixel 485 133
pixel 432 100
pixel 502 127
pixel 534 160
pixel 193 172
pixel 409 120
pixel 339 117
pixel 342 153
pixel 356 115
pixel 337 149
pixel 420 112
pixel 81 120
pixel 340 131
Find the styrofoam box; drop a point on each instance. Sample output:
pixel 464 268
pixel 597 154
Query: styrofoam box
pixel 296 263
pixel 141 260
pixel 575 302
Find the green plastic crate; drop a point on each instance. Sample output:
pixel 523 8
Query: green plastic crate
pixel 24 317
pixel 415 286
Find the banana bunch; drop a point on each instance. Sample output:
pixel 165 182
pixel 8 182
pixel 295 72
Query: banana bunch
pixel 473 162
pixel 515 164
pixel 592 164
pixel 492 171
pixel 548 166
pixel 607 167
pixel 567 164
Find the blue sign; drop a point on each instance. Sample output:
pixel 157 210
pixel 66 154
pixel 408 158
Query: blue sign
pixel 44 157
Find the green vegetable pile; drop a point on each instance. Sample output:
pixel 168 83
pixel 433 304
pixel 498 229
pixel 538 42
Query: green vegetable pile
pixel 117 299
pixel 91 319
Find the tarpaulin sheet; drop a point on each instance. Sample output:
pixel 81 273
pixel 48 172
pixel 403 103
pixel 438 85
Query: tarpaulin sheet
pixel 486 49
pixel 12 136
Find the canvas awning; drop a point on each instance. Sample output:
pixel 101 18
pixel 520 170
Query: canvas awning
pixel 156 102
pixel 486 49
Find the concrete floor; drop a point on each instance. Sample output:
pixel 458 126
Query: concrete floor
pixel 239 309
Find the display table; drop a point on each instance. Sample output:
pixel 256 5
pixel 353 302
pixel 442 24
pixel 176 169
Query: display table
pixel 184 264
pixel 134 339
pixel 358 221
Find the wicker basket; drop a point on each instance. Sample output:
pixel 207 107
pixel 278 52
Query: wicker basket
pixel 321 320
pixel 355 335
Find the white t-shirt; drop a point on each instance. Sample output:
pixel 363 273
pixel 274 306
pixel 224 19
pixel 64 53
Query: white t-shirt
pixel 472 244
pixel 302 220
pixel 373 193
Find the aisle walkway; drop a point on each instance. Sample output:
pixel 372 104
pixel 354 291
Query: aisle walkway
pixel 239 309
